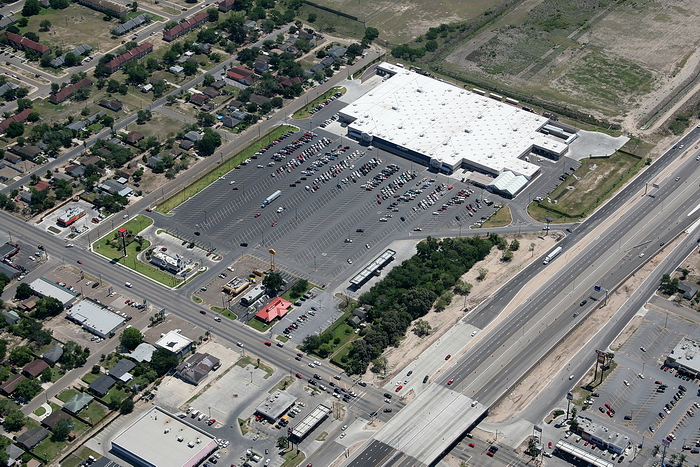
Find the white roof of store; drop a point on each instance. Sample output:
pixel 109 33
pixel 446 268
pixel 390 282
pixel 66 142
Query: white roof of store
pixel 450 124
pixel 508 182
pixel 46 288
pixel 174 342
pixel 95 317
pixel 170 442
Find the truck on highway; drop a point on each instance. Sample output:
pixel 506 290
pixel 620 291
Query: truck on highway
pixel 271 198
pixel 555 252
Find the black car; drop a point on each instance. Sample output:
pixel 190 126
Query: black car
pixel 387 410
pixel 362 383
pixel 387 395
pixel 425 380
pixel 197 233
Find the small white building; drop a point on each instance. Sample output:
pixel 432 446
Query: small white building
pixel 175 342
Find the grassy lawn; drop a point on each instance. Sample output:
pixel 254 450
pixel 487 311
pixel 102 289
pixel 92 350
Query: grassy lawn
pixel 282 385
pixel 77 457
pixel 282 338
pixel 48 449
pixel 228 165
pixel 260 325
pixel 135 225
pixel 290 296
pixel 243 424
pixel 304 111
pixel 94 412
pixel 115 393
pixel 89 378
pixel 594 182
pixel 292 459
pixel 66 395
pixel 501 218
pixel 40 411
pixel 196 299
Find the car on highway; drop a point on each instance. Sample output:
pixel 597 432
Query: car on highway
pixel 257 214
pixel 298 375
pixel 203 312
pixel 128 284
pixel 583 302
pixel 269 344
pixel 448 357
pixel 80 262
pixel 450 382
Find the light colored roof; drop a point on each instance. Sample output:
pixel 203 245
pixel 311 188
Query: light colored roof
pixel 46 288
pixel 449 124
pixel 276 404
pixel 143 352
pixel 508 182
pixel 309 422
pixel 78 402
pixel 174 342
pixel 94 318
pixel 173 442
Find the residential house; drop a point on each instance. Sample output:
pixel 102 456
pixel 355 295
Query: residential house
pixel 105 6
pixel 211 92
pixel 27 152
pixel 186 144
pixel 101 386
pixel 197 367
pixel 262 64
pixel 75 171
pixel 176 69
pixel 11 317
pixel 242 75
pixel 113 187
pixel 53 354
pixel 218 84
pixel 121 370
pixel 193 136
pixel 91 160
pixel 19 118
pixel 34 369
pixel 41 186
pixel 336 52
pixel 137 52
pixel 186 26
pixel 68 91
pixel 134 137
pixel 13 158
pixel 133 23
pixel 305 35
pixel 226 5
pixel 14 453
pixel 22 43
pixel 289 82
pixel 143 352
pixel 77 126
pixel 250 25
pixel 153 161
pixel 689 290
pixel 78 402
pixel 7 87
pixel 199 99
pixel 79 51
pixel 239 114
pixel 9 386
pixel 260 100
pixel 229 122
pixel 114 105
pixel 55 417
pixel 30 438
pixel 327 62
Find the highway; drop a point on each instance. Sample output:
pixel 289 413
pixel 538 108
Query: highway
pixel 497 363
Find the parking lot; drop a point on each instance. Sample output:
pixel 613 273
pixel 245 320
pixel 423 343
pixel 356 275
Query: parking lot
pixel 357 196
pixel 644 398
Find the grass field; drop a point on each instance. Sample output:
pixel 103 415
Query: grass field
pixel 207 179
pixel 135 225
pixel 595 181
pixel 77 457
pixel 66 395
pixel 501 218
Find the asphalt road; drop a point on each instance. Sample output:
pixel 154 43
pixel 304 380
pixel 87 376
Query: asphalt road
pixel 654 221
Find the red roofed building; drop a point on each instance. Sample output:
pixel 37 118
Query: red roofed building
pixel 277 308
pixel 68 91
pixel 23 43
pixel 19 118
pixel 289 82
pixel 186 26
pixel 226 5
pixel 133 54
pixel 41 186
pixel 242 74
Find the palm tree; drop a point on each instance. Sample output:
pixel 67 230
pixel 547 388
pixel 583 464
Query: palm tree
pixel 656 450
pixel 674 456
pixel 681 460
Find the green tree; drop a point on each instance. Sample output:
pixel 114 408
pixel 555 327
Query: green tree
pixel 15 129
pixel 282 442
pixel 371 34
pixel 514 245
pixel 126 406
pixel 422 328
pixel 31 8
pixel 46 375
pixel 14 420
pixel 27 389
pixel 71 59
pixel 48 307
pixel 208 79
pixel 3 349
pixel 206 119
pixel 45 25
pixel 163 361
pixel 190 68
pixel 507 255
pixel 273 281
pixel 23 291
pixel 73 355
pixel 209 142
pixel 20 355
pixel 131 338
pixel 61 430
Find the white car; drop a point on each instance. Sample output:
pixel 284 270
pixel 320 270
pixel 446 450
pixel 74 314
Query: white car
pixel 69 245
pixel 280 209
pixel 129 284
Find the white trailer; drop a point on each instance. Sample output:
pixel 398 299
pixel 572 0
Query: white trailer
pixel 555 252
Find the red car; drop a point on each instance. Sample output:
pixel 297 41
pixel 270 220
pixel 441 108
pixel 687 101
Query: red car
pixel 450 382
pixel 448 357
pixel 80 262
pixel 607 406
pixel 235 188
pixel 257 214
pixel 269 344
pixel 148 209
pixel 300 355
pixel 471 445
pixel 298 375
pixel 211 421
pixel 274 224
pixel 400 387
pixel 550 445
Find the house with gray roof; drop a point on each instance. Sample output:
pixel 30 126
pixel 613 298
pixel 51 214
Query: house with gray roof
pixel 79 51
pixel 13 453
pixel 53 354
pixel 102 385
pixel 31 438
pixel 193 136
pixel 132 24
pixel 78 402
pixel 114 187
pixel 143 352
pixel 336 52
pixel 121 370
pixel 11 317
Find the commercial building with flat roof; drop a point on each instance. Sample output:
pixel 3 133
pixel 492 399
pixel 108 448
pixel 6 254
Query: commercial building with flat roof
pixel 446 127
pixel 275 405
pixel 685 356
pixel 175 342
pixel 94 318
pixel 171 441
pixel 311 421
pixel 45 288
